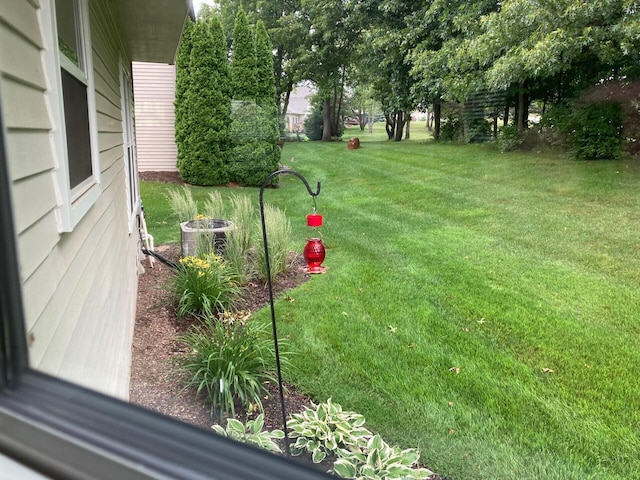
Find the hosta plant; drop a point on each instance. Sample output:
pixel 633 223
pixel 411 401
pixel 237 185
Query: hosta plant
pixel 326 429
pixel 380 461
pixel 252 433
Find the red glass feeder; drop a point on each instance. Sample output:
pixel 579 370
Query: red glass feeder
pixel 314 249
pixel 314 220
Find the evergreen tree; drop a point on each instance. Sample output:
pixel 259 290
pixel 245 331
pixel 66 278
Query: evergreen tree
pixel 182 85
pixel 204 161
pixel 243 60
pixel 266 84
pixel 254 125
pixel 266 99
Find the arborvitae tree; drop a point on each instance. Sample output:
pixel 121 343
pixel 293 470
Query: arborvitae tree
pixel 243 60
pixel 266 98
pixel 183 79
pixel 266 83
pixel 205 158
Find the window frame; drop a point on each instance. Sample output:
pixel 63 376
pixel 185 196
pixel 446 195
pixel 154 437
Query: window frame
pixel 73 203
pixel 62 430
pixel 132 187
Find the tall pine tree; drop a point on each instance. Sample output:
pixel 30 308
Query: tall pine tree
pixel 243 60
pixel 266 98
pixel 252 127
pixel 183 78
pixel 203 159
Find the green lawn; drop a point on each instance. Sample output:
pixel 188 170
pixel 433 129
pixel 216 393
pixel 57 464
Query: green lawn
pixel 481 306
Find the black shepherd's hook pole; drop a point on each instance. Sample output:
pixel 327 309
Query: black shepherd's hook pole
pixel 270 285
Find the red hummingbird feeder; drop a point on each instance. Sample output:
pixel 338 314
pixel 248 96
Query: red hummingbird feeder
pixel 314 252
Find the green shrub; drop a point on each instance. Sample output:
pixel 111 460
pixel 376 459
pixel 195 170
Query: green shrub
pixel 279 239
pixel 251 433
pixel 591 131
pixel 380 461
pixel 597 133
pixel 229 359
pixel 326 429
pixel 313 123
pixel 204 285
pixel 255 143
pixel 451 129
pixel 478 130
pixel 508 138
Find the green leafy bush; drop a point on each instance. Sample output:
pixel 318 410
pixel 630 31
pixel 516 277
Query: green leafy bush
pixel 592 131
pixel 251 433
pixel 597 133
pixel 229 359
pixel 325 430
pixel 508 138
pixel 204 285
pixel 478 130
pixel 451 129
pixel 380 461
pixel 313 123
pixel 279 239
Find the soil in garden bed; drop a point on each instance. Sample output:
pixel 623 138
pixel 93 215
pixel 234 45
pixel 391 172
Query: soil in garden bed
pixel 155 347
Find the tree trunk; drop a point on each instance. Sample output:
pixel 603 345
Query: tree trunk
pixel 400 121
pixel 437 113
pixel 326 120
pixel 362 119
pixel 407 131
pixel 390 125
pixel 523 109
pixel 506 116
pixel 495 123
pixel 427 124
pixel 285 107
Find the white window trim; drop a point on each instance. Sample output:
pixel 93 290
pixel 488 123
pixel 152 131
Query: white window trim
pixel 73 204
pixel 126 80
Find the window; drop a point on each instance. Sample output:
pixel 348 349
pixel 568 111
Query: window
pixel 130 160
pixel 72 101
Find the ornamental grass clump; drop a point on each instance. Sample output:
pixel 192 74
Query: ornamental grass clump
pixel 279 239
pixel 204 285
pixel 230 359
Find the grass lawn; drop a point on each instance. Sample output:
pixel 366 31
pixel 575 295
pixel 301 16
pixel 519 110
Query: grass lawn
pixel 481 306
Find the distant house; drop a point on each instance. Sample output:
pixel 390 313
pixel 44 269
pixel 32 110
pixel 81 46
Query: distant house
pixel 154 86
pixel 299 107
pixel 66 102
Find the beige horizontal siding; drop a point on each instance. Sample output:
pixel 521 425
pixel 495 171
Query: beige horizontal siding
pixel 154 91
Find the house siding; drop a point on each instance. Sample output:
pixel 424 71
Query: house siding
pixel 79 287
pixel 154 90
